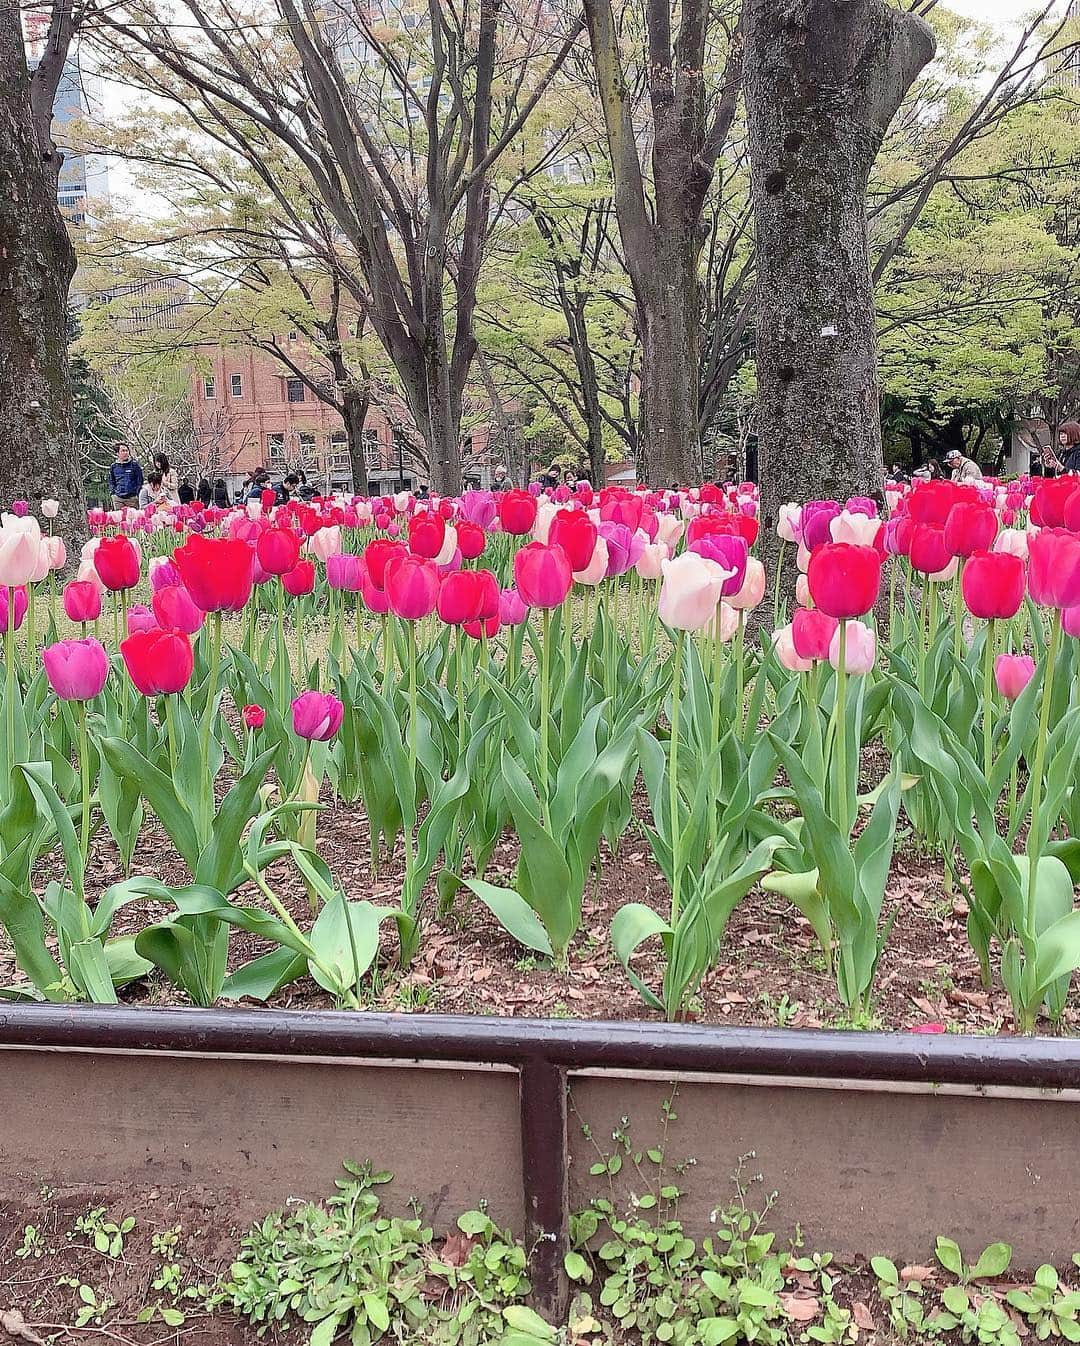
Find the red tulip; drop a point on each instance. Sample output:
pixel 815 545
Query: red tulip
pixel 1054 568
pixel 468 596
pixel 489 627
pixel 268 497
pixel 928 553
pixel 844 579
pixel 543 575
pixel 412 587
pixel 811 633
pixel 1052 497
pixel 158 662
pixel 427 533
pixel 176 610
pixel 618 506
pixel 82 600
pixel 117 563
pixel 376 556
pixel 575 533
pixel 970 527
pixel 278 550
pixel 470 539
pixel 517 512
pixel 254 717
pixel 300 579
pixel 993 585
pixel 218 573
pixel 931 501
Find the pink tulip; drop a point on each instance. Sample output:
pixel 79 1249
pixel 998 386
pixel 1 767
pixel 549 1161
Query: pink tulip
pixel 854 527
pixel 20 542
pixel 1012 673
pixel 76 669
pixel 597 568
pixel 802 592
pixel 542 575
pixel 176 610
pixel 1014 541
pixel 57 551
pixel 411 585
pixel 689 592
pixel 317 716
pixel 860 650
pixel 20 607
pixel 44 559
pixel 512 611
pixel 787 522
pixel 140 618
pixel 325 543
pixel 82 600
pixel 1070 621
pixel 669 529
pixel 812 633
pixel 650 562
pixel 784 647
pixel 343 572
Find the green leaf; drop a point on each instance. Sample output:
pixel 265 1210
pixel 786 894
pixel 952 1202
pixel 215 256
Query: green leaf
pixel 524 1319
pixel 635 923
pixel 514 914
pixel 948 1254
pixel 885 1270
pixel 715 1331
pixel 993 1261
pixel 172 813
pixel 577 1268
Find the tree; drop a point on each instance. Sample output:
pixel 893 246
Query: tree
pixel 823 80
pixel 661 229
pixel 391 125
pixel 37 262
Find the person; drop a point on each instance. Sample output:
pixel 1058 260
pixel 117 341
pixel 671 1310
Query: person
pixel 221 494
pixel 551 477
pixel 962 468
pixel 302 487
pixel 153 493
pixel 203 494
pixel 184 492
pixel 125 479
pixel 1066 456
pixel 499 481
pixel 289 488
pixel 168 478
pixel 897 475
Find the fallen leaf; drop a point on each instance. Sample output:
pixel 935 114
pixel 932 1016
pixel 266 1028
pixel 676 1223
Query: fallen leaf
pixel 457 1249
pixel 917 1274
pixel 14 1324
pixel 800 1308
pixel 864 1319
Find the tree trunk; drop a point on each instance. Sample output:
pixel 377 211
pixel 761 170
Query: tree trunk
pixel 823 80
pixel 37 261
pixel 670 342
pixel 355 403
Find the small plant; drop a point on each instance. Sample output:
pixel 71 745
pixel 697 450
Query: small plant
pixel 992 1262
pixel 33 1244
pixel 1050 1310
pixel 106 1235
pixel 907 1313
pixel 92 1306
pixel 345 1267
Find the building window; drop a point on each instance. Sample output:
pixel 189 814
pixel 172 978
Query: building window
pixel 236 382
pixel 307 451
pixel 294 390
pixel 339 452
pixel 292 335
pixel 275 450
pixel 208 389
pixel 372 449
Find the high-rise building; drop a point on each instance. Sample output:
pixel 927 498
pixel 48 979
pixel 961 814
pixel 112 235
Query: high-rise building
pixel 84 178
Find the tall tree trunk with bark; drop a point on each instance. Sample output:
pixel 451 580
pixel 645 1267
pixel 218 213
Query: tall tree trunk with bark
pixel 37 261
pixel 670 362
pixel 823 79
pixel 355 402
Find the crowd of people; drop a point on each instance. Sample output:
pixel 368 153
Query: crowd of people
pixel 161 487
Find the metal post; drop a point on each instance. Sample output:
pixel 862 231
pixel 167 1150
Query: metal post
pixel 544 1177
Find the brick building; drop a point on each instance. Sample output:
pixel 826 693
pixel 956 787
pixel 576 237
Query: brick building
pixel 249 411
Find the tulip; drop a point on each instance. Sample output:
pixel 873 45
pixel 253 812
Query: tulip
pixel 623 547
pixel 343 572
pixel 325 543
pixel 427 532
pixel 481 629
pixel 689 592
pixel 730 553
pixel 471 539
pixel 860 648
pixel 468 596
pixel 543 575
pixel 140 618
pixel 412 587
pixel 812 632
pixel 928 553
pixel 970 527
pixel 512 611
pixel 217 573
pixel 478 507
pixel 1012 673
pixel 545 517
pixel 517 512
pixel 278 550
pixel 76 669
pixel 844 580
pixel 254 717
pixel 176 610
pixel 158 662
pixel 82 600
pixel 377 556
pixel 784 648
pixel 300 579
pixel 1013 541
pixel 1052 499
pixel 117 563
pixel 650 562
pixel 856 527
pixel 6 607
pixel 1070 621
pixel 19 508
pixel 993 585
pixel 576 534
pixel 597 568
pixel 753 587
pixel 317 716
pixel 788 522
pixel 931 501
pixel 1054 568
pixel 50 508
pixel 815 522
pixel 448 554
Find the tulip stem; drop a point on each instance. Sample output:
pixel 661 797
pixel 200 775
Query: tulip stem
pixel 740 673
pixel 545 706
pixel 459 661
pixel 673 779
pixel 841 730
pixel 958 612
pixel 988 699
pixel 84 780
pixel 170 733
pixel 211 696
pixel 9 662
pixel 411 821
pixel 776 584
pixel 1034 845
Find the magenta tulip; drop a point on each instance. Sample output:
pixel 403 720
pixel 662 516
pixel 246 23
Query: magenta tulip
pixel 76 669
pixel 317 716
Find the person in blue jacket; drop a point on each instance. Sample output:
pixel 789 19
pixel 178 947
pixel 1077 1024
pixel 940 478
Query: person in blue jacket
pixel 125 479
